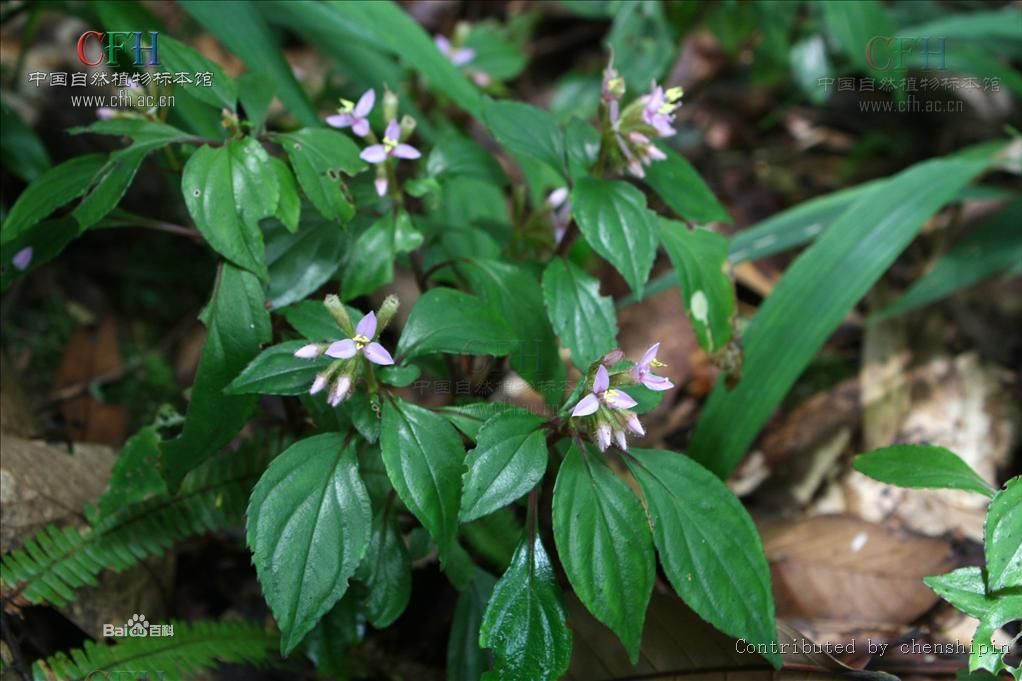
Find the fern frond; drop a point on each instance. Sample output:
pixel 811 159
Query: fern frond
pixel 55 562
pixel 193 648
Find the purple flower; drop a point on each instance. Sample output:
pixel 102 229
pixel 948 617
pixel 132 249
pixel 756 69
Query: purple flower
pixel 105 113
pixel 342 386
pixel 22 259
pixel 643 371
pixel 659 107
pixel 459 56
pixel 378 153
pixel 355 115
pixel 362 342
pixel 602 394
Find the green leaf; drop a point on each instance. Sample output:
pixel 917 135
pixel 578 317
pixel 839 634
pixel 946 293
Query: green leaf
pixel 311 319
pixel 1002 538
pixel 194 649
pixel 921 466
pixel 495 55
pixel 289 206
pixel 708 545
pixel 454 154
pixel 50 191
pixel 681 187
pixel 144 134
pixel 446 320
pixel 963 588
pixel 582 146
pixel 584 320
pixel 424 460
pixel 469 418
pixel 386 572
pixel 815 295
pixel 523 129
pixel 239 26
pixel 256 90
pixel 328 643
pixel 370 260
pixel 385 26
pixel 318 157
pixel 309 523
pixel 237 325
pixel 851 25
pixel 613 217
pixel 300 263
pixel 699 257
pixel 109 185
pixel 276 371
pixel 641 41
pixel 509 459
pixel 176 57
pixel 20 148
pixel 227 191
pixel 993 246
pixel 604 543
pixel 466 660
pixel 47 239
pixel 1000 23
pixel 525 623
pixel 515 291
pixel 399 377
pixel 136 474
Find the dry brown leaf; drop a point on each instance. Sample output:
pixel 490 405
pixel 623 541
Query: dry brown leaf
pixel 842 568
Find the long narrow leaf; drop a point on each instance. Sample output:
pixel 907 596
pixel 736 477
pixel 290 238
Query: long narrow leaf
pixel 817 292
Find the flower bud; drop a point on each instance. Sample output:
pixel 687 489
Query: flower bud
pixel 342 387
pixel 612 357
pixel 319 383
pixel 390 103
pixel 337 310
pixel 603 436
pixel 633 424
pixel 619 438
pixel 387 311
pixel 310 351
pixel 407 127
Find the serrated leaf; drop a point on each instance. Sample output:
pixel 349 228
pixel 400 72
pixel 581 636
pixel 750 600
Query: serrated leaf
pixel 681 187
pixel 1002 538
pixel 309 523
pixel 509 459
pixel 699 257
pixel 446 320
pixel 454 154
pixel 815 295
pixel 300 263
pixel 582 147
pixel 50 191
pixel 708 545
pixel 515 291
pixel 525 623
pixel 524 129
pixel 964 588
pixel 370 260
pixel 237 324
pixel 424 459
pixel 469 418
pixel 256 91
pixel 289 205
pixel 311 319
pixel 276 371
pixel 227 191
pixel 386 571
pixel 136 474
pixel 921 466
pixel 604 543
pixel 318 157
pixel 613 218
pixel 585 321
pixel 466 660
pixel 177 57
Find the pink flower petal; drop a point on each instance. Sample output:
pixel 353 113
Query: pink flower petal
pixel 22 259
pixel 366 326
pixel 318 384
pixel 339 120
pixel 442 44
pixel 633 424
pixel 463 56
pixel 377 354
pixel 658 383
pixel 618 399
pixel 339 391
pixel 310 351
pixel 603 437
pixel 376 153
pixel 602 380
pixel 365 104
pixel 381 185
pixel 360 127
pixel 342 349
pixel 393 131
pixel 406 151
pixel 586 406
pixel 622 442
pixel 650 355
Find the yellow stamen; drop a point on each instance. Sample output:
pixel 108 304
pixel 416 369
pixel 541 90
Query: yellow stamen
pixel 360 341
pixel 674 94
pixel 610 394
pixel 389 144
pixel 347 106
pixel 666 109
pixel 656 364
